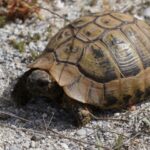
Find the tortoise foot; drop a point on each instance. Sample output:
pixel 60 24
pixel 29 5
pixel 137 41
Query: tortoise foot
pixel 82 117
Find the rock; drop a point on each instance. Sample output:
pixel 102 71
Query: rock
pixel 81 132
pixel 16 31
pixel 34 138
pixel 26 144
pixel 44 115
pixel 32 46
pixel 42 141
pixel 117 114
pixel 146 12
pixel 65 146
pixel 33 144
pixel 41 46
pixel 14 147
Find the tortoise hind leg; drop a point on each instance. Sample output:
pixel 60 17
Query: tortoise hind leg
pixel 80 112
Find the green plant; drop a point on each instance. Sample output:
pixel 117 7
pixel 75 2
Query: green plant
pixel 2 21
pixel 18 45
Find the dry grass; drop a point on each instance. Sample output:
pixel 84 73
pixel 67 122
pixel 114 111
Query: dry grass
pixel 18 8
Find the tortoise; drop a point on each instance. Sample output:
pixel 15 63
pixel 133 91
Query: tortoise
pixel 100 60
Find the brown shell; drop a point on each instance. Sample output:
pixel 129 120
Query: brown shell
pixel 102 59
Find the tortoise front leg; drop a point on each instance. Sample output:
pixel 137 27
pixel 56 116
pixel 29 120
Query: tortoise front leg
pixel 82 115
pixel 80 112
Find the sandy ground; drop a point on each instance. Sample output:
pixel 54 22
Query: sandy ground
pixel 43 125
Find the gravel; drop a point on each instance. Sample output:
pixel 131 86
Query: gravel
pixel 42 125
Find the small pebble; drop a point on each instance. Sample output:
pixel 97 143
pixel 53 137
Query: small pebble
pixel 14 147
pixel 34 138
pixel 117 114
pixel 65 146
pixel 42 141
pixel 81 132
pixel 33 144
pixel 32 46
pixel 16 31
pixel 26 144
pixel 146 12
pixel 44 115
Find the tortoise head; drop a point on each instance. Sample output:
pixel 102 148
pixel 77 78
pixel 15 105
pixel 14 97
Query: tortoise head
pixel 40 83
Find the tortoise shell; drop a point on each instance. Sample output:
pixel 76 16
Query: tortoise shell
pixel 101 59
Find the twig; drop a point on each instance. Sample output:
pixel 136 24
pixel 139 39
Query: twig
pixel 55 134
pixel 76 140
pixel 104 118
pixel 51 119
pixel 98 127
pixel 47 125
pixel 56 14
pixel 119 146
pixel 15 116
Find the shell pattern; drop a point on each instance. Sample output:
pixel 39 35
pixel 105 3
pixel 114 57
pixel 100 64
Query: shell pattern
pixel 101 59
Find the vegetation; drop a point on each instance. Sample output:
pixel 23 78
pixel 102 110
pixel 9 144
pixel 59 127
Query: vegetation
pixel 22 9
pixel 18 45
